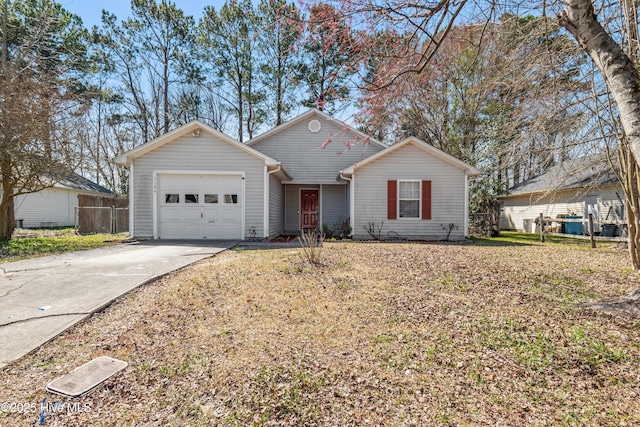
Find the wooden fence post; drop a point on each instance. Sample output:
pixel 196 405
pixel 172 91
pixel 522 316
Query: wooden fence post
pixel 541 225
pixel 490 234
pixel 113 219
pixel 593 240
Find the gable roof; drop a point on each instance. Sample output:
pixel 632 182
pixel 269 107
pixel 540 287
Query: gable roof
pixel 73 181
pixel 192 126
pixel 307 115
pixel 581 173
pixel 469 170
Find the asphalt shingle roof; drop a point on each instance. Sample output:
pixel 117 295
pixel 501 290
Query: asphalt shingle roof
pixel 74 181
pixel 584 172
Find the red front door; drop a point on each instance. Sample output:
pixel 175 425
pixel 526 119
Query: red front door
pixel 309 208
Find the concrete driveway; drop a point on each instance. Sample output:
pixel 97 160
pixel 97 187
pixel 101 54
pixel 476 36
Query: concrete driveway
pixel 42 297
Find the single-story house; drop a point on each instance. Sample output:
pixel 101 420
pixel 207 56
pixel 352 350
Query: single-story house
pixel 573 187
pixel 55 206
pixel 195 182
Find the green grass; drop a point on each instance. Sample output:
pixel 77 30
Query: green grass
pixel 35 243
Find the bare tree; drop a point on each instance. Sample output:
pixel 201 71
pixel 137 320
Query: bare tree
pixel 622 18
pixel 229 38
pixel 617 67
pixel 427 24
pixel 280 29
pixel 495 95
pixel 329 49
pixel 43 56
pixel 149 54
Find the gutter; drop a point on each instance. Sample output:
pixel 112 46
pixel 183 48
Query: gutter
pixel 267 198
pixel 352 209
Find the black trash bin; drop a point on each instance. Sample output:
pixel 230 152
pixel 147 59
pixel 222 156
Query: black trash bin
pixel 608 230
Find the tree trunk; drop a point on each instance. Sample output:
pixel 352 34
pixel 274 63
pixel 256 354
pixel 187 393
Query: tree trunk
pixel 620 74
pixel 7 217
pixel 623 82
pixel 165 93
pixel 630 173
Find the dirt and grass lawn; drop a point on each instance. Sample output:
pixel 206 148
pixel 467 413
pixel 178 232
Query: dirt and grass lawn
pixel 481 333
pixel 29 243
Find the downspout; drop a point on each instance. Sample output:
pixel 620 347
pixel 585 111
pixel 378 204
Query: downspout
pixel 466 204
pixel 267 200
pixel 132 201
pixel 351 200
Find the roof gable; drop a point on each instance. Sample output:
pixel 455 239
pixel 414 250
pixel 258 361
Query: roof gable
pixel 314 147
pixel 307 115
pixel 194 127
pixel 430 149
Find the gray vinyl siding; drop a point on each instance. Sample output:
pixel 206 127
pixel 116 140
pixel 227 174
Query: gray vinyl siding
pixel 51 207
pixel 410 163
pixel 292 206
pixel 334 205
pixel 189 153
pixel 299 150
pixel 276 206
pixel 521 210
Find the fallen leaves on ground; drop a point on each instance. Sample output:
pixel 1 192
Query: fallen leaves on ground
pixel 378 334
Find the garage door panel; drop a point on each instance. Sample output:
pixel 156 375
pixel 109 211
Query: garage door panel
pixel 211 229
pixel 193 231
pixel 191 214
pixel 172 231
pixel 172 214
pixel 230 215
pixel 200 206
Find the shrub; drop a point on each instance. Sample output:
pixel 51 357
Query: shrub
pixel 374 232
pixel 311 243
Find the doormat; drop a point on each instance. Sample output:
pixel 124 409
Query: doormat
pixel 85 378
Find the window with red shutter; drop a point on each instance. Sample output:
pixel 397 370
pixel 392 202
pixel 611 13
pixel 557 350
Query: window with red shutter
pixel 392 199
pixel 426 199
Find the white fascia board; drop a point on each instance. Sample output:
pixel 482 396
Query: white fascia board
pixel 306 115
pixel 127 158
pixel 468 169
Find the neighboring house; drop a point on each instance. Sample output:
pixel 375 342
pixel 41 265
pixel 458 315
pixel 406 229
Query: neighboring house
pixel 574 187
pixel 196 182
pixel 55 206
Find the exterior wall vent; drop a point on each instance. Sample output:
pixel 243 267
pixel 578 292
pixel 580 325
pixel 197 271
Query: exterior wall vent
pixel 315 126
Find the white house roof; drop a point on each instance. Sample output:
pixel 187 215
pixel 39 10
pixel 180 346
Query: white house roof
pixel 306 116
pixel 193 126
pixel 469 170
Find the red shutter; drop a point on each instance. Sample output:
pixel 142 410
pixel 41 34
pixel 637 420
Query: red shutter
pixel 426 199
pixel 392 199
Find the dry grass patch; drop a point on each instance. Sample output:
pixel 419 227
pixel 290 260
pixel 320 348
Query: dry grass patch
pixel 379 334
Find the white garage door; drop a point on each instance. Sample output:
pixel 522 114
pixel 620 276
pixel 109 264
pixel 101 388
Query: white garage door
pixel 200 206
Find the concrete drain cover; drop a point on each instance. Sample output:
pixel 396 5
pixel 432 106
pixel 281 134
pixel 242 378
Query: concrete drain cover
pixel 86 377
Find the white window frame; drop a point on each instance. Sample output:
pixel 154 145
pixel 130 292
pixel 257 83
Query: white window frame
pixel 419 199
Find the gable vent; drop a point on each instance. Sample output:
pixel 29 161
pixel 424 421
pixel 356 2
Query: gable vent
pixel 315 126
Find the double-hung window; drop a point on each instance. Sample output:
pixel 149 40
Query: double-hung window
pixel 409 199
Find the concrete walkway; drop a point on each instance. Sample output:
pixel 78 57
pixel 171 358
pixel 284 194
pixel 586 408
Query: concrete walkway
pixel 42 297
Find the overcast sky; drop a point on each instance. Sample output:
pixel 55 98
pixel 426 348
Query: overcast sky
pixel 91 10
